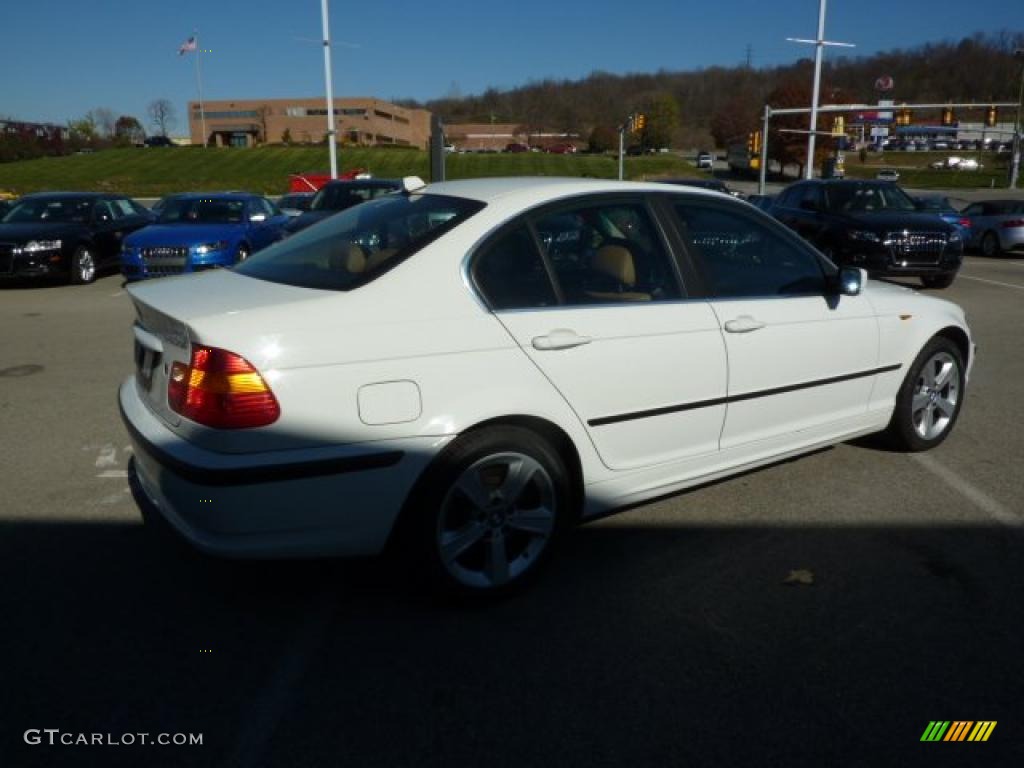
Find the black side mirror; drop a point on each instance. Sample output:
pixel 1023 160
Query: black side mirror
pixel 850 281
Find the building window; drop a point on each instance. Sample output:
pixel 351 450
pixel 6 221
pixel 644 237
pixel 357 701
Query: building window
pixel 227 115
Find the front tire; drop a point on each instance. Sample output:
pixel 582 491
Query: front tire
pixel 938 282
pixel 83 266
pixel 243 253
pixel 488 512
pixel 930 397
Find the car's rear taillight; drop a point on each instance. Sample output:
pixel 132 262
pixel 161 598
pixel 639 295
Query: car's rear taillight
pixel 964 222
pixel 1011 223
pixel 221 389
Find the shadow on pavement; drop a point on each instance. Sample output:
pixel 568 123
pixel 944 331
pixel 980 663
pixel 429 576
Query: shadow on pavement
pixel 640 645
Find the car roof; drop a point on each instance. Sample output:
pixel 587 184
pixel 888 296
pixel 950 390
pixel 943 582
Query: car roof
pixel 74 195
pixel 215 195
pixel 364 183
pixel 543 188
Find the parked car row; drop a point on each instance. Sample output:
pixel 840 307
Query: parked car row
pixel 76 235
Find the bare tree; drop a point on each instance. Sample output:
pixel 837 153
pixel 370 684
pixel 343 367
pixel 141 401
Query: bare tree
pixel 105 121
pixel 263 111
pixel 161 115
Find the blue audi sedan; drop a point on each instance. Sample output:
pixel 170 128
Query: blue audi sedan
pixel 201 231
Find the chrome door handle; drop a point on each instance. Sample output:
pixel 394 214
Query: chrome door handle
pixel 560 338
pixel 743 324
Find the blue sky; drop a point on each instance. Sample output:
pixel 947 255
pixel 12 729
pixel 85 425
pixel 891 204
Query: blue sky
pixel 64 57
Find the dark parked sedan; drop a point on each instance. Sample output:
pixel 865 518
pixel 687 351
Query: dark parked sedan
pixel 67 234
pixel 874 225
pixel 338 196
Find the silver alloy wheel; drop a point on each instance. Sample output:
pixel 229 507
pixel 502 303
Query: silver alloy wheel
pixel 86 266
pixel 935 395
pixel 496 520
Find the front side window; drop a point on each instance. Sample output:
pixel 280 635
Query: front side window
pixel 607 253
pixel 742 257
pixel 355 246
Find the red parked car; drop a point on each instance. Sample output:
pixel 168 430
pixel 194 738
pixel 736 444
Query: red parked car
pixel 561 149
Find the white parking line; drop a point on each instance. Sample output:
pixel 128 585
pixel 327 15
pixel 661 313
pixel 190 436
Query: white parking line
pixel 113 473
pixel 972 493
pixel 991 282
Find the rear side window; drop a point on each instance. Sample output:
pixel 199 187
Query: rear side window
pixel 607 253
pixel 511 275
pixel 355 246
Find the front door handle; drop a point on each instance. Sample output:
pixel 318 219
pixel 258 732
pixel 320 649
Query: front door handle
pixel 743 324
pixel 560 338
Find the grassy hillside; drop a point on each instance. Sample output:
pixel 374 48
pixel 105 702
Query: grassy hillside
pixel 914 170
pixel 154 172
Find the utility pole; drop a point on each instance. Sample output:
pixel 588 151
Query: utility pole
pixel 1015 166
pixel 331 138
pixel 622 143
pixel 819 44
pixel 750 51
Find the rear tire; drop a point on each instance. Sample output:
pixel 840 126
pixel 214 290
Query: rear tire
pixel 488 512
pixel 928 402
pixel 990 245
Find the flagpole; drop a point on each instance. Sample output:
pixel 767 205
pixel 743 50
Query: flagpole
pixel 199 87
pixel 332 147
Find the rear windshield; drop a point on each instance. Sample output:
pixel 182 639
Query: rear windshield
pixel 338 197
pixel 353 247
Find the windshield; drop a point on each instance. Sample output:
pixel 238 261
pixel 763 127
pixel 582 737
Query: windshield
pixel 51 210
pixel 866 197
pixel 338 197
pixel 354 247
pixel 202 210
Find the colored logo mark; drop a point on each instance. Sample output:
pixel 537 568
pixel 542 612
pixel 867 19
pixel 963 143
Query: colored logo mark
pixel 958 730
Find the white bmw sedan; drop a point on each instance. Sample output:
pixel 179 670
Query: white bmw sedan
pixel 466 369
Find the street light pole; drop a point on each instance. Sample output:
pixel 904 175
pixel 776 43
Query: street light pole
pixel 819 44
pixel 1015 167
pixel 332 146
pixel 819 47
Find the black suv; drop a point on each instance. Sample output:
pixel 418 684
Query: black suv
pixel 874 225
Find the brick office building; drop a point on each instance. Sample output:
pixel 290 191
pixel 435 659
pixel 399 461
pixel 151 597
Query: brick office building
pixel 366 122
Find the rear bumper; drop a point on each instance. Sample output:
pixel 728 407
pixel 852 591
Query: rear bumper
pixel 331 500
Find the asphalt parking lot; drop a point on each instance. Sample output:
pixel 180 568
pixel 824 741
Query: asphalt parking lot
pixel 676 633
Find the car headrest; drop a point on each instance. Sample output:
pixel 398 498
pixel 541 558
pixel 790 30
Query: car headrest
pixel 349 257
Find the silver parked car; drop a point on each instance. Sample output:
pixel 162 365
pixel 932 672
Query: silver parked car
pixel 997 226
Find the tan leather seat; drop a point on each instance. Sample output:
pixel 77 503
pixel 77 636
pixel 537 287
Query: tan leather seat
pixel 616 262
pixel 347 257
pixel 374 260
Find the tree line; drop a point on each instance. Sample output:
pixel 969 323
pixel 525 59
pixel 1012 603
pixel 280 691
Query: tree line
pixel 720 105
pixel 98 128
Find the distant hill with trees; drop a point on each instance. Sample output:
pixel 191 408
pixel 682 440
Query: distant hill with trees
pixel 718 105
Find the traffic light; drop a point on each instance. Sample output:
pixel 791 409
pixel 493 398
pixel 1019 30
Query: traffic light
pixel 639 122
pixel 839 126
pixel 756 150
pixel 903 118
pixel 750 143
pixel 991 117
pixel 947 115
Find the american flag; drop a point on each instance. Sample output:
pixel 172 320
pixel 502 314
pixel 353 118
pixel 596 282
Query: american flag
pixel 187 46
